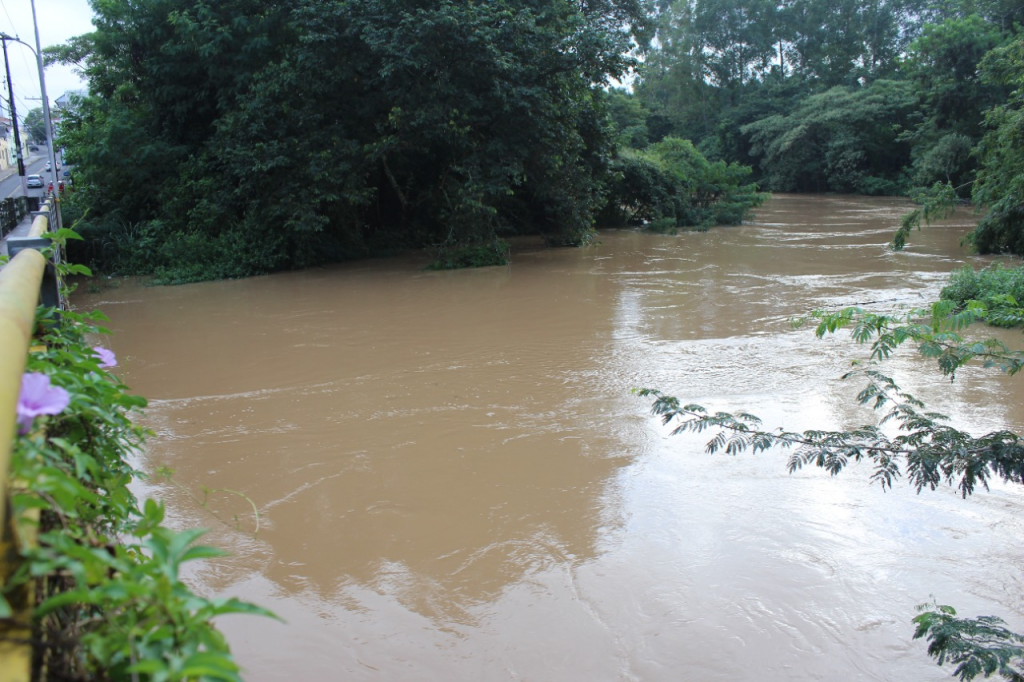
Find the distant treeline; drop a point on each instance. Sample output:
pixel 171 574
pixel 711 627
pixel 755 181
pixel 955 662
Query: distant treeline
pixel 229 138
pixel 861 96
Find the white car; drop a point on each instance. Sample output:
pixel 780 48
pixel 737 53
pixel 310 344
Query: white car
pixel 34 181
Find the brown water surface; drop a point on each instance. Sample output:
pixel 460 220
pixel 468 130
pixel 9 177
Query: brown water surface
pixel 454 482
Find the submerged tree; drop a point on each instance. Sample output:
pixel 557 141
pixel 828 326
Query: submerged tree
pixel 670 184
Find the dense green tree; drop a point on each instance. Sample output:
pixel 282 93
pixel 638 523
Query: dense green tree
pixel 736 41
pixel 160 74
pixel 943 64
pixel 757 84
pixel 290 133
pixel 670 184
pixel 1000 185
pixel 35 123
pixel 629 116
pixel 840 140
pixel 839 43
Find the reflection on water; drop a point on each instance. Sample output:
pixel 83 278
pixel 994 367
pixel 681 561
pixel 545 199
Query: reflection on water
pixel 454 482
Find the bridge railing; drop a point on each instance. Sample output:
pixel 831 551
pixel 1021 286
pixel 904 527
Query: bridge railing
pixel 20 286
pixel 12 210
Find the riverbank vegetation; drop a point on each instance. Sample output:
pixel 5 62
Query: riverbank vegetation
pixel 232 138
pixel 1001 289
pixel 850 96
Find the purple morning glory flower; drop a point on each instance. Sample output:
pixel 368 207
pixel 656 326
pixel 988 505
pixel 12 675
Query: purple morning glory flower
pixel 106 357
pixel 38 397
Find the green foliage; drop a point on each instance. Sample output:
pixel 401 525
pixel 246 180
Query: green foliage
pixel 978 646
pixel 277 135
pixel 949 159
pixel 471 256
pixel 112 604
pixel 943 65
pixel 629 118
pixel 998 287
pixel 670 183
pixel 842 140
pixel 663 226
pixel 1000 186
pixel 35 122
pixel 1000 182
pixel 927 451
pixel 722 64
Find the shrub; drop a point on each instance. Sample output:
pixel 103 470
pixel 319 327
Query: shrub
pixel 997 286
pixel 663 226
pixel 452 257
pixel 672 180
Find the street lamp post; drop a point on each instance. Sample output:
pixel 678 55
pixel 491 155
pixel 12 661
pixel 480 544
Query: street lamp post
pixel 46 117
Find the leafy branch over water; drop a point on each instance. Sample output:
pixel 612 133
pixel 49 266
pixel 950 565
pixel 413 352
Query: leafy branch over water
pixel 927 450
pixel 937 203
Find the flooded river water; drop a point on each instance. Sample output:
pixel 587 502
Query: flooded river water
pixel 453 481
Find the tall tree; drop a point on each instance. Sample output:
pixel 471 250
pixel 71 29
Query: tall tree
pixel 317 129
pixel 35 123
pixel 943 63
pixel 841 140
pixel 1000 185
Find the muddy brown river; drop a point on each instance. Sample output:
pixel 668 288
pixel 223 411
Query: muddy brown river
pixel 454 482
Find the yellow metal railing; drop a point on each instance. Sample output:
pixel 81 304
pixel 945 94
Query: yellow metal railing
pixel 20 282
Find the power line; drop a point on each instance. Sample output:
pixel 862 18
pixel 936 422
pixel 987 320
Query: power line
pixel 27 68
pixel 4 6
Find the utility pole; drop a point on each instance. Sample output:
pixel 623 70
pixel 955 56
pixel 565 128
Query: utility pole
pixel 49 124
pixel 14 120
pixel 38 51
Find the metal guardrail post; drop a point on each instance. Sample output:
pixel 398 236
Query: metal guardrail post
pixel 19 296
pixel 50 287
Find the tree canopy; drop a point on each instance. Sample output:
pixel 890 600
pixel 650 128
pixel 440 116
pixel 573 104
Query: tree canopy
pixel 229 138
pixel 851 96
pixel 35 123
pixel 248 135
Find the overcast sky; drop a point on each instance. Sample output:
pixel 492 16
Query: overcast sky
pixel 58 21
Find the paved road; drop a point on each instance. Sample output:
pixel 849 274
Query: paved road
pixel 11 186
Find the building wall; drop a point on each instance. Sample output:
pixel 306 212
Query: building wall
pixel 6 154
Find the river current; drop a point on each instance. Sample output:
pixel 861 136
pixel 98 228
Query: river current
pixel 452 480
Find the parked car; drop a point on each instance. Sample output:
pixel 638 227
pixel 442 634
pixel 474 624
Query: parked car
pixel 34 181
